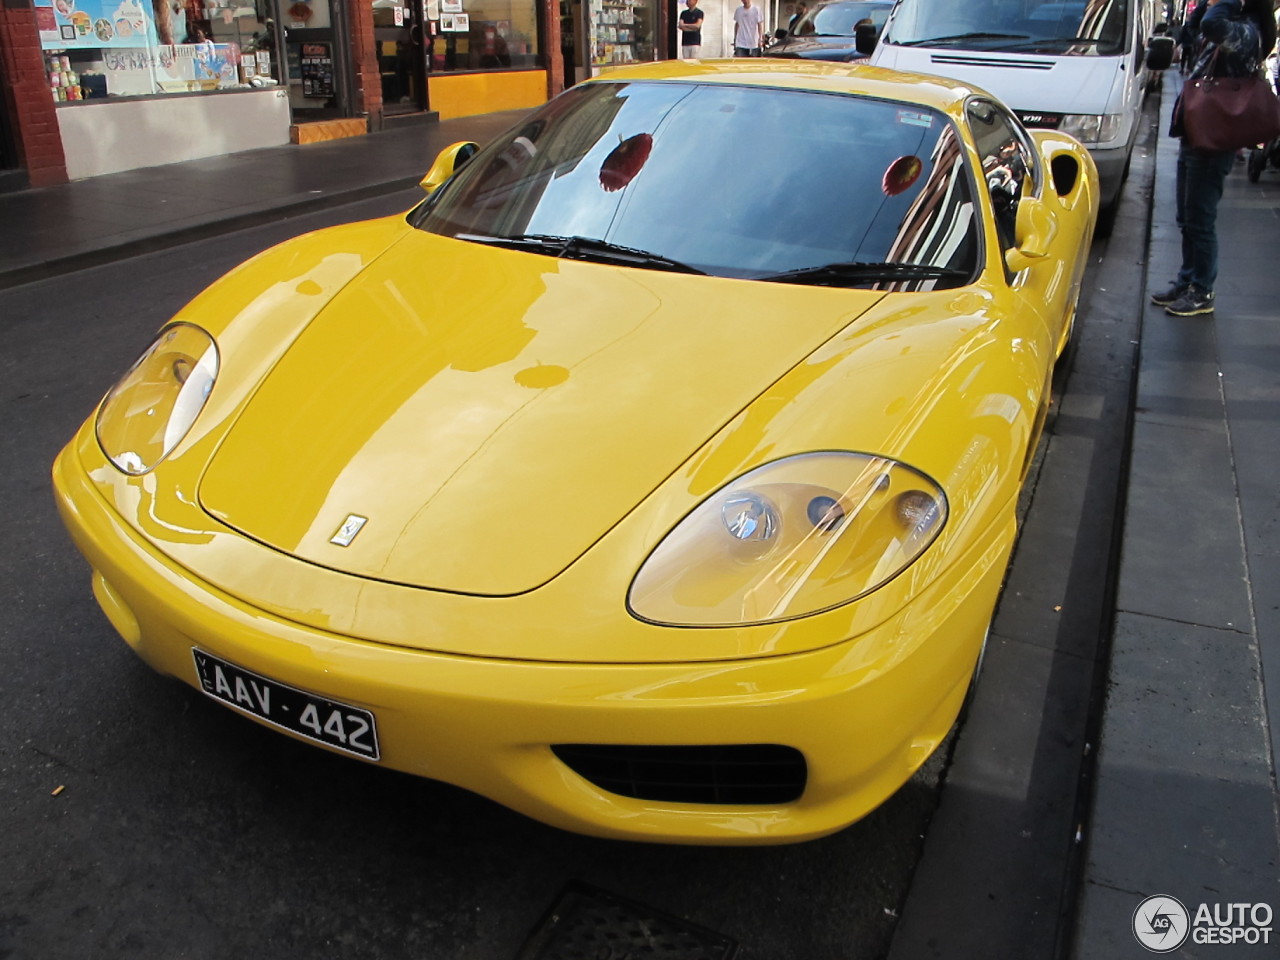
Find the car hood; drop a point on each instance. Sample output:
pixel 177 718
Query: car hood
pixel 1036 83
pixel 490 414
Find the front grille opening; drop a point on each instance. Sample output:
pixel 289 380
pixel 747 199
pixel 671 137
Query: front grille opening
pixel 747 774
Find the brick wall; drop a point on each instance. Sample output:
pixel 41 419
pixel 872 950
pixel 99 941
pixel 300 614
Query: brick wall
pixel 27 98
pixel 364 54
pixel 549 15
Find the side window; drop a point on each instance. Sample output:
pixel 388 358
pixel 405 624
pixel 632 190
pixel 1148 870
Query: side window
pixel 1008 164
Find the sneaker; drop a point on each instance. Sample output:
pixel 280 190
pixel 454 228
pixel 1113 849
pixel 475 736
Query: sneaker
pixel 1193 302
pixel 1166 297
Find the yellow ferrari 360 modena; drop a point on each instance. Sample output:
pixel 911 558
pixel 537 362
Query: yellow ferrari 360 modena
pixel 655 476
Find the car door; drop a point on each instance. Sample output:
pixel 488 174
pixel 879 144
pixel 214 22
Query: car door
pixel 1012 170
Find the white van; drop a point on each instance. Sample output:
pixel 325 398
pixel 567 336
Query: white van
pixel 1079 67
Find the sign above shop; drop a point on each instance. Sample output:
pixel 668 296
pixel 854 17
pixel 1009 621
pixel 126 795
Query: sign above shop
pixel 72 24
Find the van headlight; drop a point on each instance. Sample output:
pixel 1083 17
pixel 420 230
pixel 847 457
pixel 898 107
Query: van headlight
pixel 791 538
pixel 1091 127
pixel 153 406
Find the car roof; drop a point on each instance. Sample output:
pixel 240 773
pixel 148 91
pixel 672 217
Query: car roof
pixel 939 93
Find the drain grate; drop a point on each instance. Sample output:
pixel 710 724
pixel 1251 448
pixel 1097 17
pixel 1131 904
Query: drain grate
pixel 590 924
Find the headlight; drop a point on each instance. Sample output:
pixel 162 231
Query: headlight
pixel 153 406
pixel 1092 128
pixel 790 538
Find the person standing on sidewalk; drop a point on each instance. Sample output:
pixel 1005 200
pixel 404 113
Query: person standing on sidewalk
pixel 1232 36
pixel 690 31
pixel 748 30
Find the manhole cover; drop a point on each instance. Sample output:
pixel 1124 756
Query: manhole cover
pixel 590 924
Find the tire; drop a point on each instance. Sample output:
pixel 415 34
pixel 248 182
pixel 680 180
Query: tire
pixel 1257 163
pixel 969 694
pixel 1107 218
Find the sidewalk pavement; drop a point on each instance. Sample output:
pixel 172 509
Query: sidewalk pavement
pixel 1185 801
pixel 52 230
pixel 1185 790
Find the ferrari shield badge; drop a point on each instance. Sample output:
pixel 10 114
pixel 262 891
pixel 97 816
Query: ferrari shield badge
pixel 347 532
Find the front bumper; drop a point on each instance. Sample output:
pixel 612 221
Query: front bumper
pixel 865 712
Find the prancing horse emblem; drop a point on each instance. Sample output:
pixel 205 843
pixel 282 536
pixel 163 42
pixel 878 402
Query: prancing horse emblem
pixel 350 527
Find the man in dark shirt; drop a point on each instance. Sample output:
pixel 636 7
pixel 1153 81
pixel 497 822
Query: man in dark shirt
pixel 690 31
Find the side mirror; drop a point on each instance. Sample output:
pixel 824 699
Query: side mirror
pixel 1034 230
pixel 865 36
pixel 1160 53
pixel 449 161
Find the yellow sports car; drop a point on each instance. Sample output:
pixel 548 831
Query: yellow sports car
pixel 655 476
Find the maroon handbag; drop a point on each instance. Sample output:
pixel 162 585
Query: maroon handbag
pixel 1228 113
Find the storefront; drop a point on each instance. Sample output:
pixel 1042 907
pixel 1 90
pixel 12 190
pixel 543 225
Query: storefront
pixel 317 68
pixel 596 34
pixel 146 82
pixel 487 55
pixel 135 83
pixel 8 143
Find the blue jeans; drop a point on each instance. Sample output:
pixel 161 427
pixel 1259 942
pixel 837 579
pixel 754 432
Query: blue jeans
pixel 1201 175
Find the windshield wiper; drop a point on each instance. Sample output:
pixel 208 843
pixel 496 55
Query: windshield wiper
pixel 841 274
pixel 583 248
pixel 958 37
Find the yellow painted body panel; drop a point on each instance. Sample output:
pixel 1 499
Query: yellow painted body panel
pixel 467 94
pixel 535 427
pixel 865 712
pixel 506 386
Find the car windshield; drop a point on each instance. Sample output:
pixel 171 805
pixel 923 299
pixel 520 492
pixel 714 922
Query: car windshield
pixel 732 181
pixel 839 19
pixel 1093 28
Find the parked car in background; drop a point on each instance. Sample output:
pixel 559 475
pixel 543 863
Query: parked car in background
pixel 651 519
pixel 828 31
pixel 1080 68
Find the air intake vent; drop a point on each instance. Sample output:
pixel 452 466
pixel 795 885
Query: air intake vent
pixel 755 774
pixel 991 62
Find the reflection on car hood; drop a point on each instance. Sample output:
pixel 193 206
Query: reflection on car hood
pixel 493 413
pixel 817 48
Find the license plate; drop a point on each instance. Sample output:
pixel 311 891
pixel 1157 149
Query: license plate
pixel 331 722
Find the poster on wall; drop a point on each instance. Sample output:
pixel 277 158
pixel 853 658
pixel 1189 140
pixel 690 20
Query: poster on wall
pixel 95 23
pixel 461 22
pixel 183 68
pixel 317 70
pixel 450 6
pixel 47 25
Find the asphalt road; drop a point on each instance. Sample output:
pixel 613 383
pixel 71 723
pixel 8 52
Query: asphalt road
pixel 143 820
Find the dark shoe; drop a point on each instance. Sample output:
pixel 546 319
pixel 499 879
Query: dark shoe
pixel 1192 303
pixel 1166 297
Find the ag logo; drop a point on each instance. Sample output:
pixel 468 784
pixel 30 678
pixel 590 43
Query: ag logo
pixel 1161 924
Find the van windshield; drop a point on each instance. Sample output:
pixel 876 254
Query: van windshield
pixel 1092 28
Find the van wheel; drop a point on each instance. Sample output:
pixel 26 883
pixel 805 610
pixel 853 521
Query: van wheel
pixel 1107 218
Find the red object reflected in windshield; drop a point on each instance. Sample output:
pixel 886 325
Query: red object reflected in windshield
pixel 624 161
pixel 902 173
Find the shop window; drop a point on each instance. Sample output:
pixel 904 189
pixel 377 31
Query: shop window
pixel 132 48
pixel 483 35
pixel 622 31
